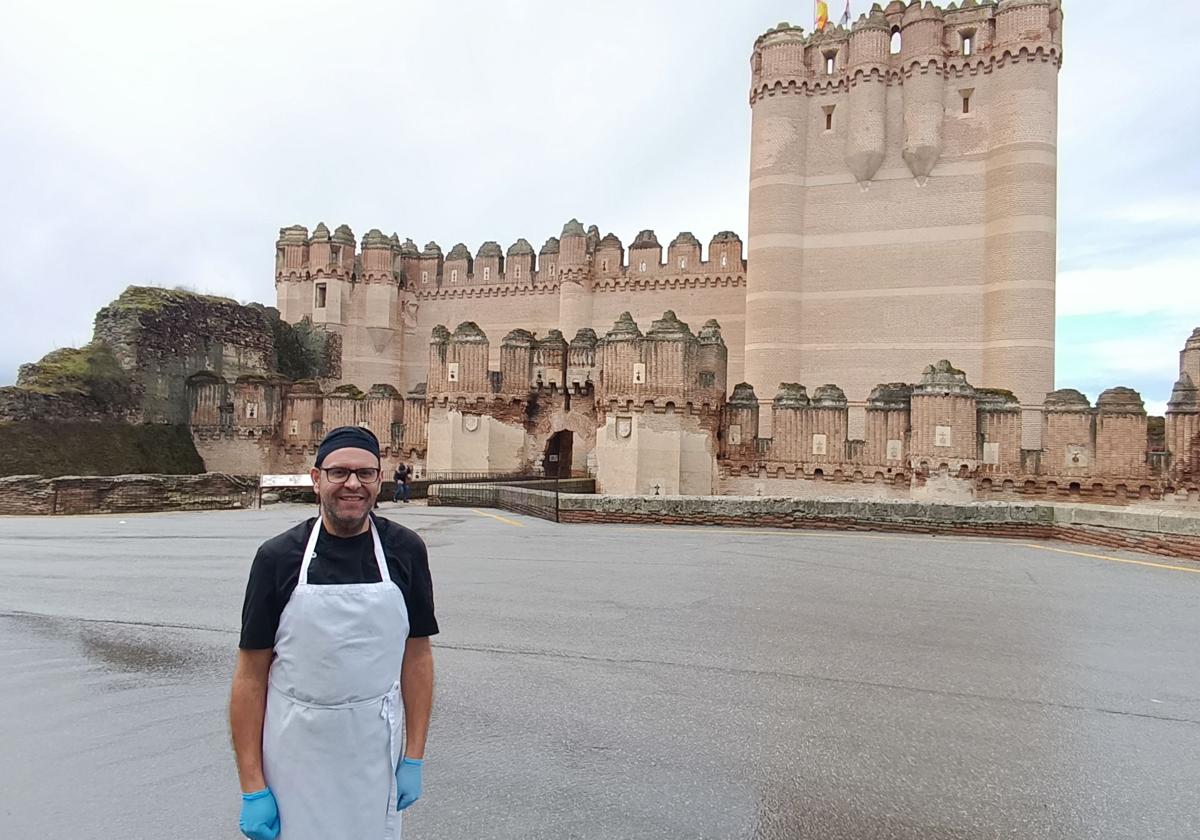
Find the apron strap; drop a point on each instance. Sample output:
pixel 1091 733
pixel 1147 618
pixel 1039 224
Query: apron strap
pixel 309 551
pixel 380 558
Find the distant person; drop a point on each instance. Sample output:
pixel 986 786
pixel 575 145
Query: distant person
pixel 403 474
pixel 334 651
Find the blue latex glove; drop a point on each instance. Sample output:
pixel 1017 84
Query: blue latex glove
pixel 260 815
pixel 408 782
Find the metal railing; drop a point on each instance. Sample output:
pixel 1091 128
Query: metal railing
pixel 531 495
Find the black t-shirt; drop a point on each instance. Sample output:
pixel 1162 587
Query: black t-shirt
pixel 276 570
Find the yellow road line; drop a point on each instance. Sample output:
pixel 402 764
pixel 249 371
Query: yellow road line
pixel 1195 571
pixel 779 532
pixel 503 519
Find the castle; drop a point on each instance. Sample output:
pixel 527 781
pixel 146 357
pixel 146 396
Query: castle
pixel 902 208
pixel 902 211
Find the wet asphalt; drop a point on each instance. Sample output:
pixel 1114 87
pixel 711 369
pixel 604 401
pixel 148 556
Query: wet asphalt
pixel 611 682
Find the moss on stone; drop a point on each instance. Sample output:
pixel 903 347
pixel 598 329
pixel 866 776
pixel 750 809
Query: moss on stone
pixel 91 370
pixel 1156 434
pixel 90 448
pixel 155 299
pixel 351 391
pixel 301 350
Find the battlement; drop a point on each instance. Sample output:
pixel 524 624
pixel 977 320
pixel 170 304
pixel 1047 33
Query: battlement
pixel 667 364
pixel 576 253
pixel 894 41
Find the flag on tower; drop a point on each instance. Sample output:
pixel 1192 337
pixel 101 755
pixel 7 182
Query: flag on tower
pixel 822 15
pixel 845 21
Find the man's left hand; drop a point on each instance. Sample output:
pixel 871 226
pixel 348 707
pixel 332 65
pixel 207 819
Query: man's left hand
pixel 408 782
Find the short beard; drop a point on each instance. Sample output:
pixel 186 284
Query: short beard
pixel 341 526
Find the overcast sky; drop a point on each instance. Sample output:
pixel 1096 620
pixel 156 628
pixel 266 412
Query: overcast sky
pixel 166 143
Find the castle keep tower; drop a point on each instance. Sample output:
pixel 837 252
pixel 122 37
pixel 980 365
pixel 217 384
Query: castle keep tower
pixel 903 198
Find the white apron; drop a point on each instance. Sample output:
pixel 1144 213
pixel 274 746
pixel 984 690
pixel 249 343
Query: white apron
pixel 331 738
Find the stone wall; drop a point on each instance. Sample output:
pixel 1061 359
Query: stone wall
pixel 90 447
pixel 67 495
pixel 1167 534
pixel 162 337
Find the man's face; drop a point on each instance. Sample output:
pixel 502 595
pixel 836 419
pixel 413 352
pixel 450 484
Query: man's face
pixel 349 502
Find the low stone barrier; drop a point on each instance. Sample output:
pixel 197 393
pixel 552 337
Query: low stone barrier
pixel 1166 533
pixel 31 495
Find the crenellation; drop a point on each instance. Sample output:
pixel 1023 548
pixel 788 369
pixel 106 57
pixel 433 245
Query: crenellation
pixel 740 425
pixel 581 358
pixel 489 264
pixel 522 262
pixel 683 254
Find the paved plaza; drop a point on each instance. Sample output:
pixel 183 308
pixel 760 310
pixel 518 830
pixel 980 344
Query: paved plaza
pixel 614 682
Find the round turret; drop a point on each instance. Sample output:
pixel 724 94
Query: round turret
pixel 519 338
pixel 869 41
pixel 1185 397
pixel 710 333
pixel 997 401
pixel 669 328
pixel 1121 401
pixel 1067 400
pixel 792 395
pixel 585 339
pixel 520 248
pixel 829 396
pixel 779 56
pixel 554 340
pixel 1027 21
pixel 645 239
pixel 891 396
pixel 573 228
pixel 468 332
pixel 375 238
pixel 944 379
pixel 625 329
pixel 294 235
pixel 744 396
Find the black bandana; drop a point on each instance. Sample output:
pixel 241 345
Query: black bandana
pixel 347 437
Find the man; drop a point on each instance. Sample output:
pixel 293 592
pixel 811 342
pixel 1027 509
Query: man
pixel 334 651
pixel 401 478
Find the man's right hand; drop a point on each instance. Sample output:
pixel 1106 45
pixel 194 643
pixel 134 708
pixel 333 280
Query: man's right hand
pixel 260 815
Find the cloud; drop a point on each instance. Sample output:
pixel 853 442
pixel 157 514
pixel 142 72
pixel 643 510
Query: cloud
pixel 1171 210
pixel 166 143
pixel 1166 285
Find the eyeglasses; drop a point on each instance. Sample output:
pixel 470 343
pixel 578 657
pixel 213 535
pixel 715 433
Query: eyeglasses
pixel 340 475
